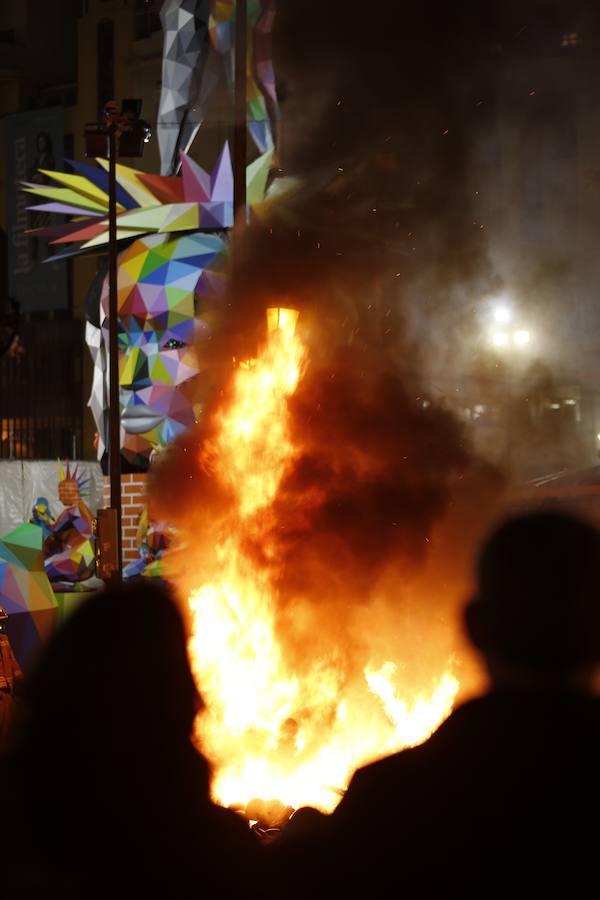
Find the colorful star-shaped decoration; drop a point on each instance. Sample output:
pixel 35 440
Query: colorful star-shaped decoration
pixel 146 204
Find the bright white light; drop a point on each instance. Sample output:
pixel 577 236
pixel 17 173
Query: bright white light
pixel 499 339
pixel 598 436
pixel 502 314
pixel 521 336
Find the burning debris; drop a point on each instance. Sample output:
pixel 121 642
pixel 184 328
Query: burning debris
pixel 326 514
pixel 314 499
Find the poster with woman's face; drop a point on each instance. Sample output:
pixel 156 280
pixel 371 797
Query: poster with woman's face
pixel 34 142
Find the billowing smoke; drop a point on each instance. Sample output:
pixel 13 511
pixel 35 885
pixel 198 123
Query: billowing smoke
pixel 372 232
pixel 380 119
pixel 374 229
pixel 377 517
pixel 439 150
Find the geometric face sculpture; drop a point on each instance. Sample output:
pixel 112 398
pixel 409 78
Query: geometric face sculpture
pixel 166 279
pixel 164 283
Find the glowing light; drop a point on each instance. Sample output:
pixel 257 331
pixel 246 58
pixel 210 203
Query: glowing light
pixel 521 336
pixel 502 314
pixel 499 339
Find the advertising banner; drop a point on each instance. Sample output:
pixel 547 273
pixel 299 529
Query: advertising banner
pixel 33 140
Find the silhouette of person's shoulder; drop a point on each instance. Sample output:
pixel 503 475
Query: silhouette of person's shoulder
pixel 224 824
pixel 495 786
pixel 224 856
pixel 498 729
pixel 375 787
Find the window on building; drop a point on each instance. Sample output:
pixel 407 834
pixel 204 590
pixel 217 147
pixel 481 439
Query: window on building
pixel 570 39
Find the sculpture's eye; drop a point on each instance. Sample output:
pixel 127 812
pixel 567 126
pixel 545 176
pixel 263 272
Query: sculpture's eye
pixel 173 344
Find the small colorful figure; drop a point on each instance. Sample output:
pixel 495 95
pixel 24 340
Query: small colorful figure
pixel 69 556
pixel 152 539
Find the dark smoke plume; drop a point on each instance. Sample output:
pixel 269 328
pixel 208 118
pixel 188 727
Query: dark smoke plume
pixel 376 227
pixel 379 120
pixel 394 122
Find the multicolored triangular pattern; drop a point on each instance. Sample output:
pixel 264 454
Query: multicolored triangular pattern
pixel 25 592
pixel 146 204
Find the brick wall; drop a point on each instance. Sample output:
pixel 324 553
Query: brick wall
pixel 133 497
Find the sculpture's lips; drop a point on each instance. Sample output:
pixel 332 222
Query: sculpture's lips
pixel 138 420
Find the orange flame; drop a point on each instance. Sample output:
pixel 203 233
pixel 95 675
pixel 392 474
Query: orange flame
pixel 270 731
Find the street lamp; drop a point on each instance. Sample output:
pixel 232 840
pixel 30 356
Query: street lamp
pixel 502 314
pixel 520 337
pixel 506 331
pixel 121 133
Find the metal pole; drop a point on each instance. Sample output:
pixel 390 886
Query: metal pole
pixel 114 442
pixel 240 131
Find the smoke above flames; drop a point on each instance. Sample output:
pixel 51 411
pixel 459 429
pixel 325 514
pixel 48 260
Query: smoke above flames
pixel 369 223
pixel 364 539
pixel 367 542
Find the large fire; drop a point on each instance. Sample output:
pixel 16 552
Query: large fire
pixel 271 730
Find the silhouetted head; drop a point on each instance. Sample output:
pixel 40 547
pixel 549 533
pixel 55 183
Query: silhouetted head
pixel 116 676
pixel 102 774
pixel 537 603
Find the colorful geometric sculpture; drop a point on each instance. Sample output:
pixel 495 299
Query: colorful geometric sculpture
pixel 163 288
pixel 199 38
pixel 69 555
pixel 152 540
pixel 164 285
pixel 98 399
pixel 185 26
pixel 149 203
pixel 261 104
pixel 25 592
